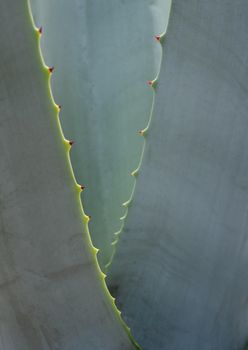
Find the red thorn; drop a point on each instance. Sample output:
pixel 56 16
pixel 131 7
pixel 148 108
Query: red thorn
pixel 150 82
pixel 82 187
pixel 40 30
pixel 157 37
pixel 51 69
pixel 71 143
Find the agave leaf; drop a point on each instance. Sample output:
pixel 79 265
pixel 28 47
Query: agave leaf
pixel 103 53
pixel 52 293
pixel 180 271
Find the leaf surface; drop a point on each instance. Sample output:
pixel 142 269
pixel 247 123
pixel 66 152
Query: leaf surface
pixel 104 53
pixel 52 293
pixel 180 271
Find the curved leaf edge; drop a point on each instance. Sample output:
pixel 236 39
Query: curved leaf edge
pixel 144 132
pixel 68 144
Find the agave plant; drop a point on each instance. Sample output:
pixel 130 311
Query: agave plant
pixel 180 271
pixel 177 267
pixel 52 291
pixel 102 57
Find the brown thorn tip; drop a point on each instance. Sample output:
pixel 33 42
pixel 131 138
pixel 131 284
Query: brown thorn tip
pixel 40 30
pixel 141 132
pixel 82 187
pixel 71 143
pixel 157 37
pixel 51 69
pixel 59 107
pixel 150 82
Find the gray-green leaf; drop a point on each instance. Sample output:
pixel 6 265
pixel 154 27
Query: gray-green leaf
pixel 180 272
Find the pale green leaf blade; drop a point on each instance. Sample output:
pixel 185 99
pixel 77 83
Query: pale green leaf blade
pixel 104 52
pixel 52 294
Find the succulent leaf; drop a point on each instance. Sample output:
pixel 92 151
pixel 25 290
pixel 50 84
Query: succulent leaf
pixel 180 271
pixel 103 53
pixel 52 293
